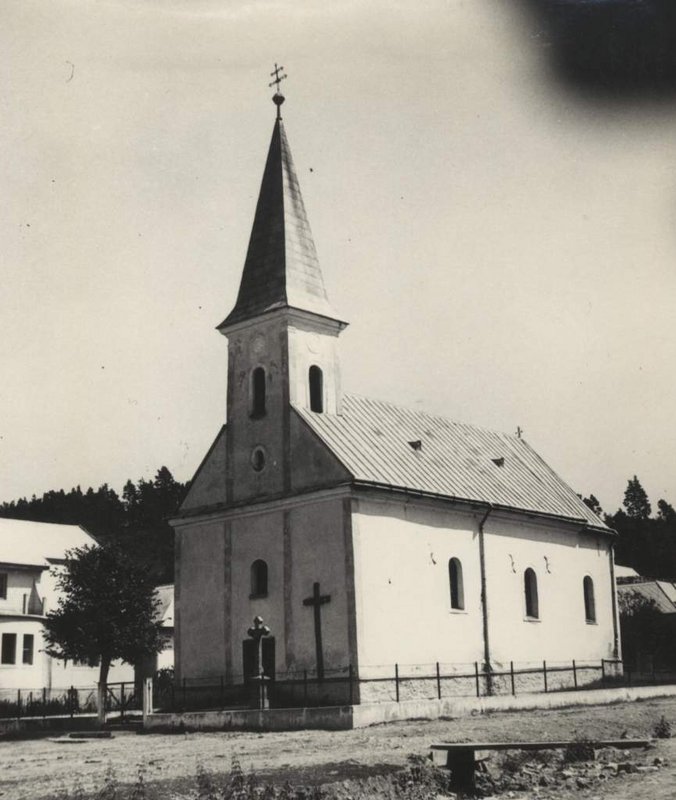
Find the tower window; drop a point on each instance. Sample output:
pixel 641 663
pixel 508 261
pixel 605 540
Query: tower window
pixel 530 584
pixel 316 389
pixel 455 580
pixel 257 393
pixel 589 602
pixel 259 578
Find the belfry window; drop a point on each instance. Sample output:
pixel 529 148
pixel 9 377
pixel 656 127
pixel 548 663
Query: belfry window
pixel 530 585
pixel 316 389
pixel 259 578
pixel 257 404
pixel 456 585
pixel 589 602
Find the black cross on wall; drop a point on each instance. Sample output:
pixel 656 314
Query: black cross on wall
pixel 317 601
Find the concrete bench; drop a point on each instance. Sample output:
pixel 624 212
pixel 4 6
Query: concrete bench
pixel 461 756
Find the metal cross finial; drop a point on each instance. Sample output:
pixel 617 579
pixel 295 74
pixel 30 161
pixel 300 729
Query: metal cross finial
pixel 277 77
pixel 278 97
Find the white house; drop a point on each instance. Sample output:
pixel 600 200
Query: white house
pixel 363 533
pixel 30 556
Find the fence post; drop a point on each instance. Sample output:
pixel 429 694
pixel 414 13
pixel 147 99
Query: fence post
pixel 305 688
pixel 122 702
pixel 603 670
pixel 511 675
pixel 147 702
pixel 476 678
pixel 18 703
pixel 574 674
pixel 544 673
pixel 438 682
pixel 396 680
pixel 44 702
pixel 351 687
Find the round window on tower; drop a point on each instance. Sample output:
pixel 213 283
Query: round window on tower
pixel 258 458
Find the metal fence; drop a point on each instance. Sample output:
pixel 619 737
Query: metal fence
pixel 121 698
pixel 394 682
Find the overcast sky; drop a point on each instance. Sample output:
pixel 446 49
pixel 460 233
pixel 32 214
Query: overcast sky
pixel 504 251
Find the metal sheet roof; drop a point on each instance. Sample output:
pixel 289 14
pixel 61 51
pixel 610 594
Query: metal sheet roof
pixel 281 268
pixel 32 543
pixel 384 444
pixel 657 591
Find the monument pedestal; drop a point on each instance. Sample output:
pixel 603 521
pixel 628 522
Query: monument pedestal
pixel 258 692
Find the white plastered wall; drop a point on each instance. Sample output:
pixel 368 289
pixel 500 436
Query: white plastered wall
pixel 560 557
pixel 404 613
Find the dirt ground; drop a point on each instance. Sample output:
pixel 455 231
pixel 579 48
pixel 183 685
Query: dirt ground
pixel 37 769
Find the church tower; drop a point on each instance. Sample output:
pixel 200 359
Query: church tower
pixel 282 335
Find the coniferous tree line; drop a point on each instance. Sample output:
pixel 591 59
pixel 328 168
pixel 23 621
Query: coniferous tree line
pixel 646 541
pixel 136 520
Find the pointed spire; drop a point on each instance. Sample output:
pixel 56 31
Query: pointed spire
pixel 281 269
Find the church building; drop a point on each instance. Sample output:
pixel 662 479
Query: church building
pixel 365 534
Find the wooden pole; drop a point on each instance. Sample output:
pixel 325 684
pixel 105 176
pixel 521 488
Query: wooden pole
pixel 396 680
pixel 438 682
pixel 544 673
pixel 574 674
pixel 476 678
pixel 511 675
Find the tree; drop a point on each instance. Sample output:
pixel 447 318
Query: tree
pixel 107 611
pixel 665 511
pixel 592 503
pixel 636 500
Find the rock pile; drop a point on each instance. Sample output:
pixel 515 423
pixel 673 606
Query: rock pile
pixel 544 773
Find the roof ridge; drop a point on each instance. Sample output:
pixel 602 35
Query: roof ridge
pixel 432 415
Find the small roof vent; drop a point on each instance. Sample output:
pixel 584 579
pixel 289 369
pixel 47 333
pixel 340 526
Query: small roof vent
pixel 499 462
pixel 416 444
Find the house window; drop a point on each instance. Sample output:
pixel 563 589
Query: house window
pixel 530 582
pixel 257 406
pixel 455 580
pixel 259 578
pixel 3 585
pixel 589 603
pixel 316 389
pixel 28 642
pixel 8 654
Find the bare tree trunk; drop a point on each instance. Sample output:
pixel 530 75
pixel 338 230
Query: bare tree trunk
pixel 101 694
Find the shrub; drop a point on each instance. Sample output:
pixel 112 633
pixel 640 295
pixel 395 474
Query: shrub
pixel 662 729
pixel 580 749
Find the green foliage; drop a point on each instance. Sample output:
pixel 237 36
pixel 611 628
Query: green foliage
pixel 662 729
pixel 636 500
pixel 107 610
pixel 137 520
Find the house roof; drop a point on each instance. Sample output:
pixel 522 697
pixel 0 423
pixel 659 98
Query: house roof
pixel 660 592
pixel 281 269
pixel 165 608
pixel 37 543
pixel 625 572
pixel 385 445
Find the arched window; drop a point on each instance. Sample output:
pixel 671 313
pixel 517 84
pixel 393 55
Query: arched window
pixel 259 578
pixel 316 389
pixel 258 393
pixel 589 603
pixel 530 585
pixel 455 581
